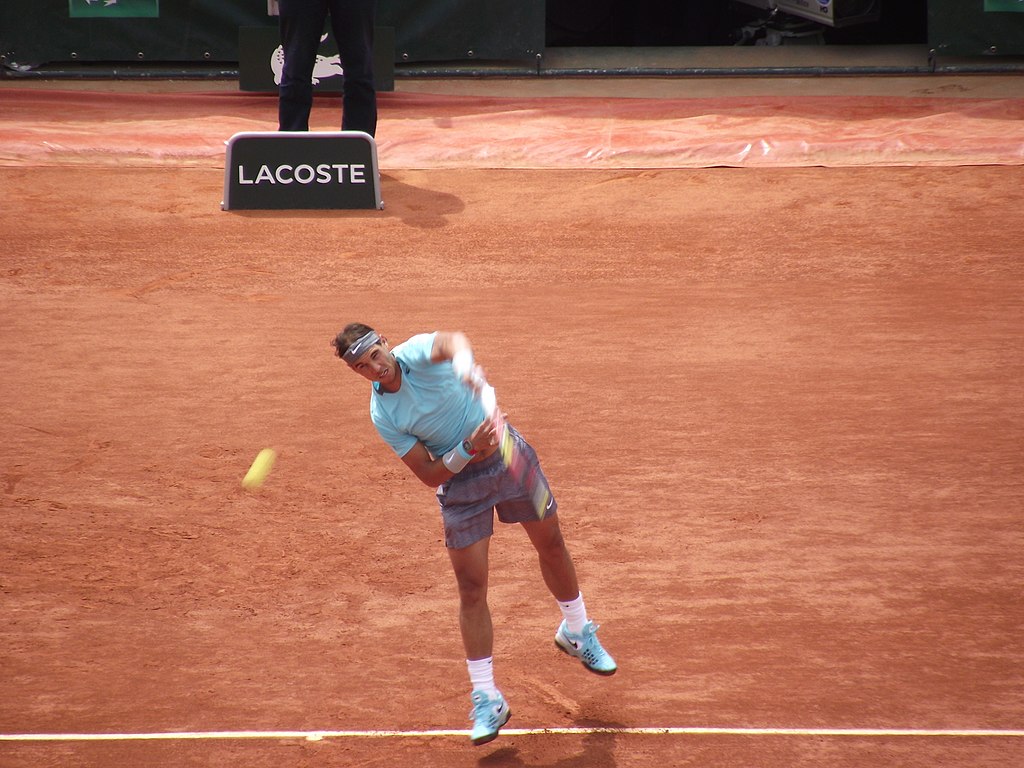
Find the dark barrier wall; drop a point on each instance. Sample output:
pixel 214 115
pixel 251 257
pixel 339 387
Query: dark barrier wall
pixel 41 31
pixel 36 32
pixel 976 27
pixel 449 30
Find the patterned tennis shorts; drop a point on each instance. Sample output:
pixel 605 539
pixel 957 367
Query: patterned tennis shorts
pixel 468 501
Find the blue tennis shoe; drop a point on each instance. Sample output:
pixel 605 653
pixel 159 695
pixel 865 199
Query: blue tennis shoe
pixel 586 647
pixel 489 714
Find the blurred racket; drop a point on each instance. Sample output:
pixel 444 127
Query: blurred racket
pixel 516 463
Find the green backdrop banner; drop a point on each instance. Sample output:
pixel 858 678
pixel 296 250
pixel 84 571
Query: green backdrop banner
pixel 450 30
pixel 971 28
pixel 1004 6
pixel 148 9
pixel 37 32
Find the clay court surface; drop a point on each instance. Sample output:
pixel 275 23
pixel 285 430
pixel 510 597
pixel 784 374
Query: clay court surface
pixel 779 403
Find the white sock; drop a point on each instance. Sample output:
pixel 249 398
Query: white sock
pixel 481 675
pixel 575 613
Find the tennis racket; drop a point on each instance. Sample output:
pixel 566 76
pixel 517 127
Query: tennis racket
pixel 524 473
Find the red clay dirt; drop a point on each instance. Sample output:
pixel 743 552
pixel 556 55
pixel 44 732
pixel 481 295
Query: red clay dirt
pixel 780 409
pixel 438 130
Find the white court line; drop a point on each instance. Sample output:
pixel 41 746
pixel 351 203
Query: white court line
pixel 694 731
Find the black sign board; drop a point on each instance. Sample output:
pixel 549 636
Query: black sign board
pixel 285 170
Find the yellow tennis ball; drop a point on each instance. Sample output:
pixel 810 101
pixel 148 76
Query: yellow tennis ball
pixel 260 469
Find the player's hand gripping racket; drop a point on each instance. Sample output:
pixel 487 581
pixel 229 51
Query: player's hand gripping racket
pixel 525 473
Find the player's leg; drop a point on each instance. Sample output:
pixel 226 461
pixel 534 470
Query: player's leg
pixel 577 634
pixel 490 711
pixel 301 24
pixel 352 22
pixel 470 565
pixel 556 564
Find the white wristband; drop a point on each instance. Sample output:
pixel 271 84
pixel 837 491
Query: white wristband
pixel 462 362
pixel 455 460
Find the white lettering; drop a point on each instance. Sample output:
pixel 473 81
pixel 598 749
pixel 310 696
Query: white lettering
pixel 323 173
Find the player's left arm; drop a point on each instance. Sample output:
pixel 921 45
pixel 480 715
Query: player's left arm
pixel 447 344
pixel 454 346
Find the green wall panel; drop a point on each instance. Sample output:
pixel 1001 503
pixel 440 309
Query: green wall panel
pixel 36 32
pixel 976 27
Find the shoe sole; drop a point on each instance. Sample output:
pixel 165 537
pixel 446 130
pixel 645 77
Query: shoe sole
pixel 568 652
pixel 492 736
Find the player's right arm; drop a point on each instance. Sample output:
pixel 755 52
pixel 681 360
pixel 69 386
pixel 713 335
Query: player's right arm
pixel 429 470
pixel 432 471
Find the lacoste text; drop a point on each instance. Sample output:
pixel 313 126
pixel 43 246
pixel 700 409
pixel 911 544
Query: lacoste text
pixel 324 173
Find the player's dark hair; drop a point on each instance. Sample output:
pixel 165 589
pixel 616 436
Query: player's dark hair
pixel 349 334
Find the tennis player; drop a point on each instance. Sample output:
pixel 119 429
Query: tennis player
pixel 424 404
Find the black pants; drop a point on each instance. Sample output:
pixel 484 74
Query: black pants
pixel 302 24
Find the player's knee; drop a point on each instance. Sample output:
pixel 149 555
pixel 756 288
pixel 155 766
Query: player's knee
pixel 472 583
pixel 547 539
pixel 472 592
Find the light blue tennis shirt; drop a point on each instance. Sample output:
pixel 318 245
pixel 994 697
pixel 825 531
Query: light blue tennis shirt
pixel 432 405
